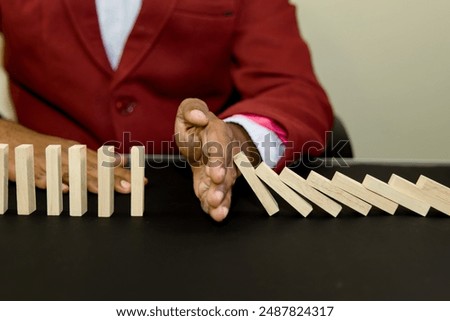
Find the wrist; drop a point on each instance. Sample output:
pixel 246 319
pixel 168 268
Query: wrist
pixel 246 144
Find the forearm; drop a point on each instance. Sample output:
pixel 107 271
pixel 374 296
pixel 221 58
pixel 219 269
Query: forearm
pixel 14 134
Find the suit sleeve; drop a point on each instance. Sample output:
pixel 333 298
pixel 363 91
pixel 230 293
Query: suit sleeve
pixel 273 74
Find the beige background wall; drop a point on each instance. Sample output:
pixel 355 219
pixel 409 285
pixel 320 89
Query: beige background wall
pixel 386 67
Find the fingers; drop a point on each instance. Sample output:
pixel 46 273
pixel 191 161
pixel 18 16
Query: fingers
pixel 122 180
pixel 218 151
pixel 215 198
pixel 122 176
pixel 40 179
pixel 215 177
pixel 216 202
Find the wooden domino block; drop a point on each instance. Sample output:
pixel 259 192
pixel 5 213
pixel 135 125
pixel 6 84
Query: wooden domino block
pixel 380 187
pixel 77 180
pixel 25 184
pixel 268 176
pixel 54 180
pixel 262 193
pixel 4 151
pixel 300 185
pixel 137 159
pixel 105 167
pixel 325 186
pixel 437 195
pixel 357 189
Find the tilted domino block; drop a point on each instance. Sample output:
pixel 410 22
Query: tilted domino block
pixel 357 189
pixel 324 185
pixel 25 183
pixel 269 177
pixel 380 187
pixel 300 185
pixel 437 195
pixel 54 180
pixel 262 193
pixel 4 151
pixel 406 187
pixel 77 180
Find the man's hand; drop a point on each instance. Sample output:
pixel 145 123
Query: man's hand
pixel 209 145
pixel 15 134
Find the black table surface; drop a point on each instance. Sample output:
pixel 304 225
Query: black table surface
pixel 176 252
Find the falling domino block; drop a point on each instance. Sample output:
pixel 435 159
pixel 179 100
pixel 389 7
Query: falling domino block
pixel 325 186
pixel 300 185
pixel 54 180
pixel 105 167
pixel 380 187
pixel 408 188
pixel 77 180
pixel 262 193
pixel 357 189
pixel 4 150
pixel 268 176
pixel 25 185
pixel 137 180
pixel 437 195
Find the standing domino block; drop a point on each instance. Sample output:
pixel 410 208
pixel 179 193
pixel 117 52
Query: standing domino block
pixel 380 187
pixel 269 177
pixel 300 185
pixel 77 180
pixel 357 189
pixel 437 195
pixel 137 180
pixel 25 185
pixel 262 193
pixel 4 151
pixel 325 186
pixel 105 167
pixel 54 180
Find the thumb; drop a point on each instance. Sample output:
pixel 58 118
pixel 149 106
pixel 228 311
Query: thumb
pixel 192 113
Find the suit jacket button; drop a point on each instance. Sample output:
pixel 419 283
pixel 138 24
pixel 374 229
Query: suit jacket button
pixel 125 106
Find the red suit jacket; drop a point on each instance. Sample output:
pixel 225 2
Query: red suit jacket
pixel 62 84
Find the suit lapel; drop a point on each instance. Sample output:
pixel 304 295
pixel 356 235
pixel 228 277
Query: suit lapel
pixel 83 16
pixel 149 24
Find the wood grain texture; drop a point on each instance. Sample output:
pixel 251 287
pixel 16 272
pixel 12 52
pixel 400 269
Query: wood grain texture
pixel 77 180
pixel 357 189
pixel 137 160
pixel 105 167
pixel 54 180
pixel 301 186
pixel 324 185
pixel 25 181
pixel 262 193
pixel 268 176
pixel 4 164
pixel 383 189
pixel 437 195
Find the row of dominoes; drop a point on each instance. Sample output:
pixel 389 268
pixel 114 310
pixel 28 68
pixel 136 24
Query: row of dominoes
pixel 25 180
pixel 328 194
